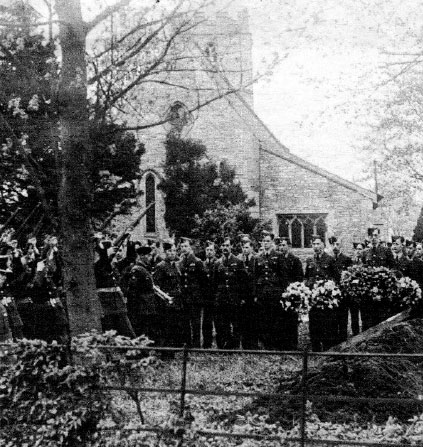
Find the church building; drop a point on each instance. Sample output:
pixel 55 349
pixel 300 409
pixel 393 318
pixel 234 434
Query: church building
pixel 298 197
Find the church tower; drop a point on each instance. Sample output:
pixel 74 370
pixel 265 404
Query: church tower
pixel 217 59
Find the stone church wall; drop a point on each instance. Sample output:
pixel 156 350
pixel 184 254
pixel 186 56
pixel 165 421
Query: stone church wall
pixel 290 189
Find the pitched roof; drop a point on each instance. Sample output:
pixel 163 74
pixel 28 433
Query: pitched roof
pixel 284 153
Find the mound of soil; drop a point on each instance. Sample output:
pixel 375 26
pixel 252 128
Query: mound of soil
pixel 364 377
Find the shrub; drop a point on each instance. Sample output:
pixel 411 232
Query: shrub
pixel 47 400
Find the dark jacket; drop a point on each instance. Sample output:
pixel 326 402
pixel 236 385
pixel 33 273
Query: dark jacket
pixel 140 293
pixel 167 277
pixel 269 271
pixel 342 262
pixel 193 277
pixel 292 269
pixel 321 267
pixel 379 256
pixel 249 265
pixel 231 279
pixel 210 286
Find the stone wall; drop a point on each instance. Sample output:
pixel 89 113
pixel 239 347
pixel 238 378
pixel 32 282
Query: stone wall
pixel 290 189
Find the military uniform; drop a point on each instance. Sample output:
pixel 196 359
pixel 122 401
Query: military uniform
pixel 192 287
pixel 173 318
pixel 15 321
pixel 209 308
pixel 269 288
pixel 248 321
pixel 416 270
pixel 230 282
pixel 143 305
pixel 322 323
pixel 321 266
pixel 378 256
pixel 5 332
pixel 342 262
pixel 115 316
pixel 292 271
pixel 50 320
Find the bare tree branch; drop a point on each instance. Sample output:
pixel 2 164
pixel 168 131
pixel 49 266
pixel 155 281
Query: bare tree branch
pixel 106 13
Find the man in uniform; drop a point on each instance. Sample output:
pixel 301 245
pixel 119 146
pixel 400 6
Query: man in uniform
pixel 269 288
pixel 400 263
pixel 416 270
pixel 143 305
pixel 7 299
pixel 230 283
pixel 192 286
pixel 209 309
pixel 342 262
pixel 115 316
pixel 248 322
pixel 173 318
pixel 292 271
pixel 377 255
pixel 321 265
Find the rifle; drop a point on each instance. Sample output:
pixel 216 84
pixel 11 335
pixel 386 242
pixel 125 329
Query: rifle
pixel 162 295
pixel 21 228
pixel 128 230
pixel 18 210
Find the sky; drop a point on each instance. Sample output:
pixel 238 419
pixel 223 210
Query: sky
pixel 324 95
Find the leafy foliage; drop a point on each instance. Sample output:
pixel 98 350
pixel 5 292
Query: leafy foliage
pixel 228 221
pixel 31 156
pixel 193 185
pixel 49 401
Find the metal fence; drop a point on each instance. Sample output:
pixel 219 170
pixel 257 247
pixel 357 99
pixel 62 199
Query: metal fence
pixel 301 397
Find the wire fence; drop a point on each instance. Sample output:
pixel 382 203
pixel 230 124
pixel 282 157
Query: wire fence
pixel 302 397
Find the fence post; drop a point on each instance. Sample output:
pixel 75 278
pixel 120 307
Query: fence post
pixel 303 419
pixel 183 381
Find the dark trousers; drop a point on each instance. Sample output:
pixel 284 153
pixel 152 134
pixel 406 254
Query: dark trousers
pixel 248 325
pixel 193 322
pixel 270 316
pixel 289 332
pixel 323 329
pixel 227 326
pixel 342 323
pixel 209 312
pixel 354 311
pixel 175 327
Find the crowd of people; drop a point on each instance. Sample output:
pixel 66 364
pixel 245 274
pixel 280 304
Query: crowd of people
pixel 175 295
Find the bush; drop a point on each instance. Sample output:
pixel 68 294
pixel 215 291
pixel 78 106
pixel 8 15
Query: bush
pixel 48 400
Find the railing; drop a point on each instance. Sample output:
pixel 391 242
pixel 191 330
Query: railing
pixel 303 396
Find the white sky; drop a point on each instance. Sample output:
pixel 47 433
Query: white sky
pixel 321 98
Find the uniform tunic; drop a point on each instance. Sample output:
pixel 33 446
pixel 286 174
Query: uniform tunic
pixel 173 319
pixel 143 305
pixel 269 288
pixel 230 283
pixel 192 286
pixel 249 322
pixel 209 302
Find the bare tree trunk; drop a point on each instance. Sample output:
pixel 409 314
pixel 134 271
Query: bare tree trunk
pixel 75 190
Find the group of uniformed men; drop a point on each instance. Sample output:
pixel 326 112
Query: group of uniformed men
pixel 176 298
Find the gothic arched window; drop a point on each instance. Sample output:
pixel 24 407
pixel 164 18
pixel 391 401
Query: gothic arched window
pixel 301 228
pixel 178 117
pixel 211 52
pixel 150 197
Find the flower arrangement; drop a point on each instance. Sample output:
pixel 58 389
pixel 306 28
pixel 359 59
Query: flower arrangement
pixel 407 293
pixel 363 284
pixel 325 295
pixel 296 298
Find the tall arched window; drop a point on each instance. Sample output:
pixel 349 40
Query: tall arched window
pixel 150 196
